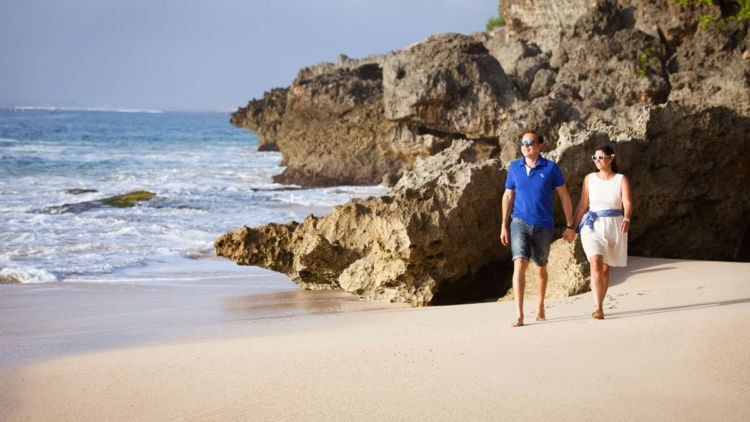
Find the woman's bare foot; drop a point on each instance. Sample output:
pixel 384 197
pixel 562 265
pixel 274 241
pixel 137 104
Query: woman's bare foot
pixel 540 315
pixel 517 323
pixel 598 314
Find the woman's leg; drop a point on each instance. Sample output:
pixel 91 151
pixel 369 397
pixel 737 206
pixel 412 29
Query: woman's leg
pixel 605 279
pixel 596 264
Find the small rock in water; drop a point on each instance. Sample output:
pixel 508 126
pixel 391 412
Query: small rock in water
pixel 129 199
pixel 79 191
pixel 121 201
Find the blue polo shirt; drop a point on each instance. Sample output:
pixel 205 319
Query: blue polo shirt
pixel 533 201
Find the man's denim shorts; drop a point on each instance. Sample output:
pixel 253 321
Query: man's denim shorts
pixel 529 241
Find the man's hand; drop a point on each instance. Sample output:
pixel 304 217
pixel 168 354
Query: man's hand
pixel 625 226
pixel 569 235
pixel 504 236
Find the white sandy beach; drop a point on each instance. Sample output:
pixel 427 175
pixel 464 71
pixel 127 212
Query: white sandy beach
pixel 674 346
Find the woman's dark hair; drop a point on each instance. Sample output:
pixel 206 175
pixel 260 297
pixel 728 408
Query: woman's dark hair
pixel 609 151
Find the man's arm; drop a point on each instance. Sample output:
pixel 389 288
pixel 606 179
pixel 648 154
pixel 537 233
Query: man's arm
pixel 508 197
pixel 567 205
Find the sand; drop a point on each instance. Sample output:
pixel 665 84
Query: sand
pixel 674 346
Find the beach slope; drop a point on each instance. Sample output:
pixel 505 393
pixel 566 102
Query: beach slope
pixel 674 345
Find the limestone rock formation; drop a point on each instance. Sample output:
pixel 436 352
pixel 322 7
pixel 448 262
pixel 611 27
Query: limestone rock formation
pixel 682 177
pixel 713 68
pixel 544 21
pixel 264 117
pixel 673 99
pixel 447 83
pixel 606 63
pixel 331 129
pixel 434 238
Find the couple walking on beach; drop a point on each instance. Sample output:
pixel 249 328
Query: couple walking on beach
pixel 602 218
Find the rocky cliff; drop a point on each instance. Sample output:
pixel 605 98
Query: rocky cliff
pixel 672 98
pixel 427 241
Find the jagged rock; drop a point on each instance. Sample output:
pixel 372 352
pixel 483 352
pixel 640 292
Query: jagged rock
pixel 672 99
pixel 598 69
pixel 607 63
pixel 667 19
pixel 331 129
pixel 677 162
pixel 543 21
pixel 519 59
pixel 567 272
pixel 434 238
pixel 543 82
pixel 709 69
pixel 264 117
pixel 447 83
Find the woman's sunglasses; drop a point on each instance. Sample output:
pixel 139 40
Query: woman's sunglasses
pixel 601 157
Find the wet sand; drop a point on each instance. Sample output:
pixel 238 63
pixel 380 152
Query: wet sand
pixel 50 320
pixel 673 347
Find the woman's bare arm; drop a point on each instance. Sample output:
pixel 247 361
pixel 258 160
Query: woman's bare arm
pixel 627 204
pixel 583 204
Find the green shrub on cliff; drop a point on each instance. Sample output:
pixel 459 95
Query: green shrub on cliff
pixel 648 59
pixel 740 10
pixel 494 22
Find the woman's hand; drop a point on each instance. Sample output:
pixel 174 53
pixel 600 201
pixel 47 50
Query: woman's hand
pixel 569 235
pixel 625 226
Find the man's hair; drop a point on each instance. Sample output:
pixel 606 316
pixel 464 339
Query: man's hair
pixel 535 132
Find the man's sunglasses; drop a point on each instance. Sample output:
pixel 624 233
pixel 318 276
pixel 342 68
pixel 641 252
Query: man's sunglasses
pixel 601 157
pixel 527 143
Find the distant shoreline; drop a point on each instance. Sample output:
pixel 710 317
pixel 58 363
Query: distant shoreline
pixel 108 109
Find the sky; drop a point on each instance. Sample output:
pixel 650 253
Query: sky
pixel 199 55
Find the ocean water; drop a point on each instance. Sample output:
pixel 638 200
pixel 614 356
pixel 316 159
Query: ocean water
pixel 208 176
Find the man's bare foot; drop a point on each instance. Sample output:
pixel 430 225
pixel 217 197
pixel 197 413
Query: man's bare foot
pixel 598 314
pixel 517 323
pixel 540 315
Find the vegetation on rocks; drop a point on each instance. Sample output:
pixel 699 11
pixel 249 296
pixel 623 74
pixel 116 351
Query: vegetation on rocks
pixel 728 11
pixel 129 199
pixel 494 22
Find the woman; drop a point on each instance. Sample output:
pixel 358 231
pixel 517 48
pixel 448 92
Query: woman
pixel 603 219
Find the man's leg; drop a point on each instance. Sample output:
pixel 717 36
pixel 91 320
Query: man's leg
pixel 541 282
pixel 520 246
pixel 540 245
pixel 519 287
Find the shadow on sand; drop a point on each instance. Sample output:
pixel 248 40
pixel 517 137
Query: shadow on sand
pixel 641 312
pixel 640 266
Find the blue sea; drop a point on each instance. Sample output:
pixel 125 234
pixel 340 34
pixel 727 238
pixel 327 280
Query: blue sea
pixel 208 176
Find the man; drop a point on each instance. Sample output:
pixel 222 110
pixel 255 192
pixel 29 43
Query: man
pixel 528 187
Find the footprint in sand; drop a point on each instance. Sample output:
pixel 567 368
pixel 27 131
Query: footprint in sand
pixel 643 293
pixel 612 302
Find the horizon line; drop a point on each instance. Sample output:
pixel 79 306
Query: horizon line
pixel 49 107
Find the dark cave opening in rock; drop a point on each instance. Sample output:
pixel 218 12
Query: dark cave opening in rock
pixel 490 282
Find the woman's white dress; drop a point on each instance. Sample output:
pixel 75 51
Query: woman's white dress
pixel 606 239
